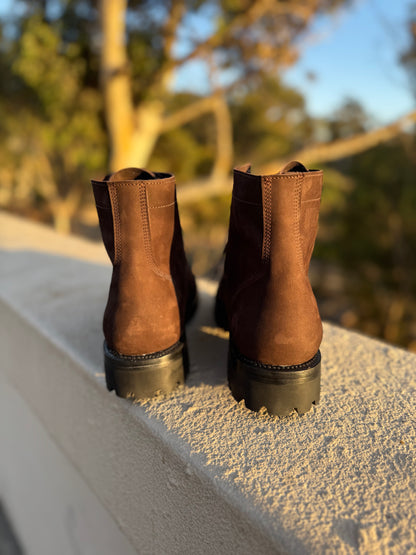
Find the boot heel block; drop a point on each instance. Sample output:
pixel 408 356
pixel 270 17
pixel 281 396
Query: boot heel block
pixel 141 377
pixel 280 389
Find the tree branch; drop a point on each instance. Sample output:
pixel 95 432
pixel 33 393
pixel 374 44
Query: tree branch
pixel 169 35
pixel 254 13
pixel 326 152
pixel 257 9
pixel 203 189
pixel 343 148
pixel 217 105
pixel 200 106
pixel 187 114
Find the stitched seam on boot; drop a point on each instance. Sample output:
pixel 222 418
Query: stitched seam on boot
pixel 146 234
pixel 162 205
pixel 116 224
pixel 267 222
pixel 311 200
pixel 297 202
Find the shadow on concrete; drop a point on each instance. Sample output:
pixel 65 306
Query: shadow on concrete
pixel 9 544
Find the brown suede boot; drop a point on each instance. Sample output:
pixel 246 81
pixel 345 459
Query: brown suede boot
pixel 265 298
pixel 152 292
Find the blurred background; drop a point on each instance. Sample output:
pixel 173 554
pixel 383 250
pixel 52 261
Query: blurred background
pixel 195 87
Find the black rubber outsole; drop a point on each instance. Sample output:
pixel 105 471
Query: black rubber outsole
pixel 280 389
pixel 141 377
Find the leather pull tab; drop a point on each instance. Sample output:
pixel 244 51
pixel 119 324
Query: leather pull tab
pixel 293 166
pixel 131 174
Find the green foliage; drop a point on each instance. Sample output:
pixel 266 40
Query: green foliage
pixel 269 121
pixel 350 119
pixel 187 151
pixel 60 120
pixel 368 230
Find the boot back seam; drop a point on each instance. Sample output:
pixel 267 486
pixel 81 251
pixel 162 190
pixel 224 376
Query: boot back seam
pixel 116 222
pixel 146 233
pixel 267 218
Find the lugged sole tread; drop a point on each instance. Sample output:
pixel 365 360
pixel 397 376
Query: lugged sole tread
pixel 147 376
pixel 281 390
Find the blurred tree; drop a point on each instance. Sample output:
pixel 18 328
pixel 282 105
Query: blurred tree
pixel 408 57
pixel 350 119
pixel 51 127
pixel 54 54
pixel 368 232
pixel 243 43
pixel 238 40
pixel 268 118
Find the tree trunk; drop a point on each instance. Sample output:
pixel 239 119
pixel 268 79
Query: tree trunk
pixel 134 131
pixel 62 216
pixel 115 78
pixel 225 151
pixel 148 129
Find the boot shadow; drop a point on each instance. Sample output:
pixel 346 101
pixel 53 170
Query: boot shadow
pixel 207 344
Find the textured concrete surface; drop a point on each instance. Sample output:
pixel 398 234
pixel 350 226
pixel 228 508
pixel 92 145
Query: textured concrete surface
pixel 211 474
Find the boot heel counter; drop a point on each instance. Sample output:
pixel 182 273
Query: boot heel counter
pixel 277 322
pixel 142 324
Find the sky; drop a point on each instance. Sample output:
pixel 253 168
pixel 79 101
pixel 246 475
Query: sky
pixel 353 54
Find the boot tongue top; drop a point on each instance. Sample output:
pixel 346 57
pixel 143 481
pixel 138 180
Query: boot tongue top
pixel 293 166
pixel 129 174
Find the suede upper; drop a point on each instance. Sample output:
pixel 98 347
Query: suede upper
pixel 270 307
pixel 151 283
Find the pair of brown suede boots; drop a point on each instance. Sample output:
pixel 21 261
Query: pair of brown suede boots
pixel 264 298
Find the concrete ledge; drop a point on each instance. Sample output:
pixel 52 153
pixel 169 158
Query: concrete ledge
pixel 193 472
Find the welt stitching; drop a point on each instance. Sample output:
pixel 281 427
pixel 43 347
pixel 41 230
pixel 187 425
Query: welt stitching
pixel 267 222
pixel 116 218
pixel 146 233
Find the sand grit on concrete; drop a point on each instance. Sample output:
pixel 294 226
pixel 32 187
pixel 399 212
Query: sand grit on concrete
pixel 340 479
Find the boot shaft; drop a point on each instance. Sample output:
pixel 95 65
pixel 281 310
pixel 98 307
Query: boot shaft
pixel 151 279
pixel 136 210
pixel 273 221
pixel 265 291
